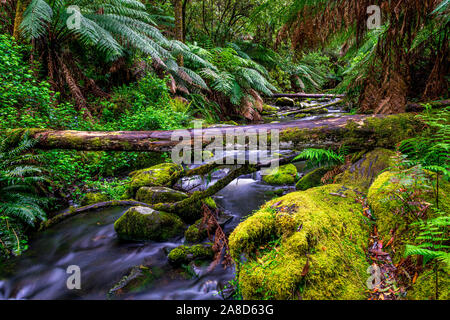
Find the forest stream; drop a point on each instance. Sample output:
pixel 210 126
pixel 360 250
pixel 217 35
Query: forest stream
pixel 89 241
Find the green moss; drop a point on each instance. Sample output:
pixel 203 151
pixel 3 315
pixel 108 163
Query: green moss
pixel 194 211
pixel 286 174
pixel 385 206
pixel 425 286
pixel 142 223
pixel 327 231
pixel 362 173
pixel 195 233
pixel 185 254
pixel 92 198
pixel 152 195
pixel 311 179
pixel 161 175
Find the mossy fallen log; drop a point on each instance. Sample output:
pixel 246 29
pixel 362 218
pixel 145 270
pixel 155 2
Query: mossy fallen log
pixel 357 131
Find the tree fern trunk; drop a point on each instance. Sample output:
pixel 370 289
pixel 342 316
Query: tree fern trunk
pixel 20 9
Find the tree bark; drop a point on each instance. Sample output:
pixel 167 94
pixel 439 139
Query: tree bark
pixel 179 33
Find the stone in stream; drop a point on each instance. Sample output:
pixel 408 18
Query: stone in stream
pixel 269 110
pixel 285 102
pixel 286 174
pixel 142 223
pixel 152 195
pixel 185 254
pixel 161 175
pixel 138 279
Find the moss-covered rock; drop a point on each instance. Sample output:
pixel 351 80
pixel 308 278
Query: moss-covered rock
pixel 163 174
pixel 152 195
pixel 386 208
pixel 285 102
pixel 142 223
pixel 138 279
pixel 195 232
pixel 425 286
pixel 193 212
pixel 286 174
pixel 362 173
pixel 311 179
pixel 185 254
pixel 306 243
pixel 91 198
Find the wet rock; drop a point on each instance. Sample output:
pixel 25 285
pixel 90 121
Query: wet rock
pixel 152 195
pixel 185 254
pixel 138 279
pixel 319 249
pixel 283 175
pixel 161 175
pixel 269 110
pixel 142 223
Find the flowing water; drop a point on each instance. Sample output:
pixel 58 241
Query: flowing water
pixel 90 242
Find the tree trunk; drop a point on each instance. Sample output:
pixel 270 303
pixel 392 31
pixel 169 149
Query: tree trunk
pixel 179 33
pixel 20 9
pixel 356 132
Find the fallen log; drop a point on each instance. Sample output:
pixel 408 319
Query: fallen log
pixel 317 133
pixel 307 95
pixel 313 108
pixel 417 107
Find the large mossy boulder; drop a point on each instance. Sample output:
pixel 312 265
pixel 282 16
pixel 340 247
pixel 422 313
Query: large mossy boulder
pixel 92 198
pixel 185 254
pixel 163 174
pixel 363 172
pixel 311 179
pixel 152 195
pixel 142 223
pixel 308 244
pixel 283 175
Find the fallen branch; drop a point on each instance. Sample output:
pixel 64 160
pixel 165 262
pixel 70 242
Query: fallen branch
pixel 306 95
pixel 100 205
pixel 313 108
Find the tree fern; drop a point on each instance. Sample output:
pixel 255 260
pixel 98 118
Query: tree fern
pixel 320 157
